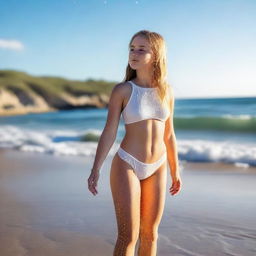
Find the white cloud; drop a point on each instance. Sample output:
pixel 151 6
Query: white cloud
pixel 11 45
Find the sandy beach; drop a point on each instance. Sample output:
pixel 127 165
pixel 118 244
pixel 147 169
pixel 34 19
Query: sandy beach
pixel 46 209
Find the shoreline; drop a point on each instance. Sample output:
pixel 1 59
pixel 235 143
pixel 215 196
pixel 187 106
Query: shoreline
pixel 198 166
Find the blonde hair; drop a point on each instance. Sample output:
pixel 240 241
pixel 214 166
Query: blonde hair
pixel 159 76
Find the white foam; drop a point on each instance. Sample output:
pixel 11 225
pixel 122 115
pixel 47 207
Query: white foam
pixel 188 150
pixel 243 117
pixel 238 164
pixel 212 151
pixel 42 142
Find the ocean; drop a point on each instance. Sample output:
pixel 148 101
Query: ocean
pixel 207 130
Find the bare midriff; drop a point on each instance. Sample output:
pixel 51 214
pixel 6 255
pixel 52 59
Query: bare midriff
pixel 145 140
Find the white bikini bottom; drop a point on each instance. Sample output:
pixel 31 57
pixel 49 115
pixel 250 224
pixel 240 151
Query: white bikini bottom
pixel 142 170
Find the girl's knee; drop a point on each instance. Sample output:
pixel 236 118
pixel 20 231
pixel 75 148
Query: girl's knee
pixel 148 234
pixel 127 238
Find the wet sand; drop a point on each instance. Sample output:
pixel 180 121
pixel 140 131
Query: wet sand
pixel 46 209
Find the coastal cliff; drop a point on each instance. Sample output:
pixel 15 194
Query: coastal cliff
pixel 21 93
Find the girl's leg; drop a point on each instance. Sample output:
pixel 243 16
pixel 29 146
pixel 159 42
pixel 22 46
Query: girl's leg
pixel 153 191
pixel 125 188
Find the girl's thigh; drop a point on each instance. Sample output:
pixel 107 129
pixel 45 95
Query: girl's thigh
pixel 125 188
pixel 153 191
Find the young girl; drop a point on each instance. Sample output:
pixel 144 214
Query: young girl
pixel 138 173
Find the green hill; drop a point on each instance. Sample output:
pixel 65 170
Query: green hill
pixel 22 93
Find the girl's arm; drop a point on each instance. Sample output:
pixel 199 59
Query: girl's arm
pixel 170 141
pixel 108 135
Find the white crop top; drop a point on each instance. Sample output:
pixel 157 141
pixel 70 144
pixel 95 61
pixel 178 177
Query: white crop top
pixel 144 104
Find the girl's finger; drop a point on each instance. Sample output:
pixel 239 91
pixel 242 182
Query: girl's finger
pixel 94 189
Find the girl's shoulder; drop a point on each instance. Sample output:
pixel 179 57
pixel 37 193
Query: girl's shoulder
pixel 122 88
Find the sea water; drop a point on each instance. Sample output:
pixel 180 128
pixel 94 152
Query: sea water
pixel 206 129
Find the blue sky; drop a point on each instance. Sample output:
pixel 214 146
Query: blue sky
pixel 211 45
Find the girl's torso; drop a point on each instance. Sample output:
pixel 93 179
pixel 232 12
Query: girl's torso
pixel 144 118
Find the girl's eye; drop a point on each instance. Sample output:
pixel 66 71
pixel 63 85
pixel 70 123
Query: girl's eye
pixel 140 50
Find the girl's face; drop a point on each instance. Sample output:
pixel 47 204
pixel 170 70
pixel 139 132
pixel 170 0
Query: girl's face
pixel 140 53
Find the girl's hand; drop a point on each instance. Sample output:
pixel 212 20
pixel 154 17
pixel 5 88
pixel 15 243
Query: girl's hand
pixel 93 181
pixel 176 185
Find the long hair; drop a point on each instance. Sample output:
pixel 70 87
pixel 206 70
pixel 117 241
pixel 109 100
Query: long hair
pixel 159 76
